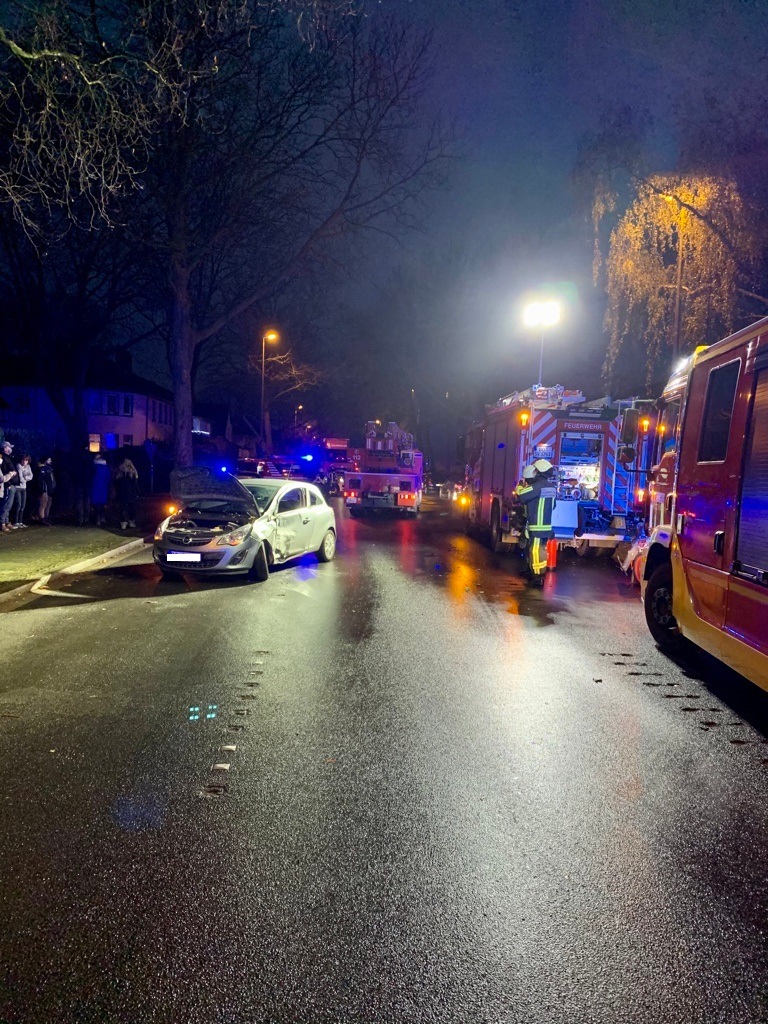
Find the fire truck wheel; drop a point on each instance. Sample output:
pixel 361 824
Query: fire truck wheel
pixel 658 609
pixel 327 549
pixel 495 530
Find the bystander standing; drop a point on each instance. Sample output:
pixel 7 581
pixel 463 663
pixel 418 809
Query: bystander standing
pixel 100 482
pixel 10 478
pixel 127 492
pixel 19 504
pixel 46 483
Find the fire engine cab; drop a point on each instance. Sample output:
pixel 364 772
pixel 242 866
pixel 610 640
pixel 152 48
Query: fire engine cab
pixel 706 565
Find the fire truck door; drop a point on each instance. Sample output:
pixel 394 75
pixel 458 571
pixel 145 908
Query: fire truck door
pixel 748 593
pixel 707 485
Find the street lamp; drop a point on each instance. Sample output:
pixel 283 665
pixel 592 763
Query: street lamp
pixel 272 337
pixel 296 412
pixel 542 314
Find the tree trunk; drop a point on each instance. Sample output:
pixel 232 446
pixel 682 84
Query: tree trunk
pixel 181 357
pixel 267 433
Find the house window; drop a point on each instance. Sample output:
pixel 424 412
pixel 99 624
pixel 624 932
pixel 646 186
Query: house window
pixel 128 440
pixel 110 441
pixel 152 411
pixel 127 405
pixel 113 405
pixel 94 442
pixel 96 402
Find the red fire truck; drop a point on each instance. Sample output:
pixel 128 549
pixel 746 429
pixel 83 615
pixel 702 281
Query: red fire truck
pixel 706 565
pixel 387 475
pixel 600 479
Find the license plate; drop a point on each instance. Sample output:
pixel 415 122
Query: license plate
pixel 183 556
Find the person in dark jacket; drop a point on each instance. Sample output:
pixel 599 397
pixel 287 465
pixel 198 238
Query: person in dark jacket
pixel 538 495
pixel 10 478
pixel 127 492
pixel 46 485
pixel 102 477
pixel 81 475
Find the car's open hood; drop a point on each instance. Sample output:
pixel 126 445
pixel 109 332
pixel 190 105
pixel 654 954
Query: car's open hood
pixel 200 482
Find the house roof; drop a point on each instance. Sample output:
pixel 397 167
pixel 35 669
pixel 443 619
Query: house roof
pixel 103 375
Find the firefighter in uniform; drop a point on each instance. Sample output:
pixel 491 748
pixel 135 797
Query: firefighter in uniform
pixel 537 493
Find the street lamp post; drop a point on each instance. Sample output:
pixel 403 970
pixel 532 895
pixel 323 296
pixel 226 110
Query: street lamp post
pixel 542 314
pixel 272 337
pixel 296 412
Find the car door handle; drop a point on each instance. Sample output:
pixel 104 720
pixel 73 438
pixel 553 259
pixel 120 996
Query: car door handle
pixel 305 521
pixel 719 544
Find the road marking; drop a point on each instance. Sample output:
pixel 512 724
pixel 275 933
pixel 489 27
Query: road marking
pixel 216 789
pixel 229 748
pixel 220 766
pixel 42 590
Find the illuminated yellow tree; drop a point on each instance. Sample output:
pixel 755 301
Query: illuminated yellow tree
pixel 677 266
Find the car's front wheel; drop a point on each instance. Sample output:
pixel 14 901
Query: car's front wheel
pixel 259 571
pixel 327 549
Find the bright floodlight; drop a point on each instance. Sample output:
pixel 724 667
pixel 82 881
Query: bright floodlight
pixel 541 314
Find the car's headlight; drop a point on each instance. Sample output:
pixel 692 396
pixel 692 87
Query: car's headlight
pixel 236 537
pixel 162 528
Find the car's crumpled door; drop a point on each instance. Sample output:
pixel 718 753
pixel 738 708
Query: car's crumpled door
pixel 290 524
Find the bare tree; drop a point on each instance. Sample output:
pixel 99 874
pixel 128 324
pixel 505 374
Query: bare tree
pixel 84 86
pixel 285 375
pixel 286 151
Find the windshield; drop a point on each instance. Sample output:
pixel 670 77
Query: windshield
pixel 215 506
pixel 263 491
pixel 667 429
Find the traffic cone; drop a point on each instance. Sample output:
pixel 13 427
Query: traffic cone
pixel 551 553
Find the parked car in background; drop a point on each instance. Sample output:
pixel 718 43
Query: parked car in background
pixel 241 526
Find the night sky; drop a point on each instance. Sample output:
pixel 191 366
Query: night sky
pixel 526 81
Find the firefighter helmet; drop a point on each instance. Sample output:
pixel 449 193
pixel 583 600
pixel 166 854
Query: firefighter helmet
pixel 543 466
pixel 529 473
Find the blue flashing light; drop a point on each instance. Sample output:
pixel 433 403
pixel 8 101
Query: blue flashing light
pixel 501 445
pixel 223 469
pixel 308 458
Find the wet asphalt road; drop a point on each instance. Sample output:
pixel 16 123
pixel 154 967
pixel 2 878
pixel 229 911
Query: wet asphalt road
pixel 451 800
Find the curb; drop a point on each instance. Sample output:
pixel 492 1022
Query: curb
pixel 105 558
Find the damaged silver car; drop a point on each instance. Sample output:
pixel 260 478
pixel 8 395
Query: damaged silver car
pixel 241 526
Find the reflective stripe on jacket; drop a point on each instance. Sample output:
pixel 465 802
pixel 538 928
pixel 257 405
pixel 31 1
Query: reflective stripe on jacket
pixel 539 501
